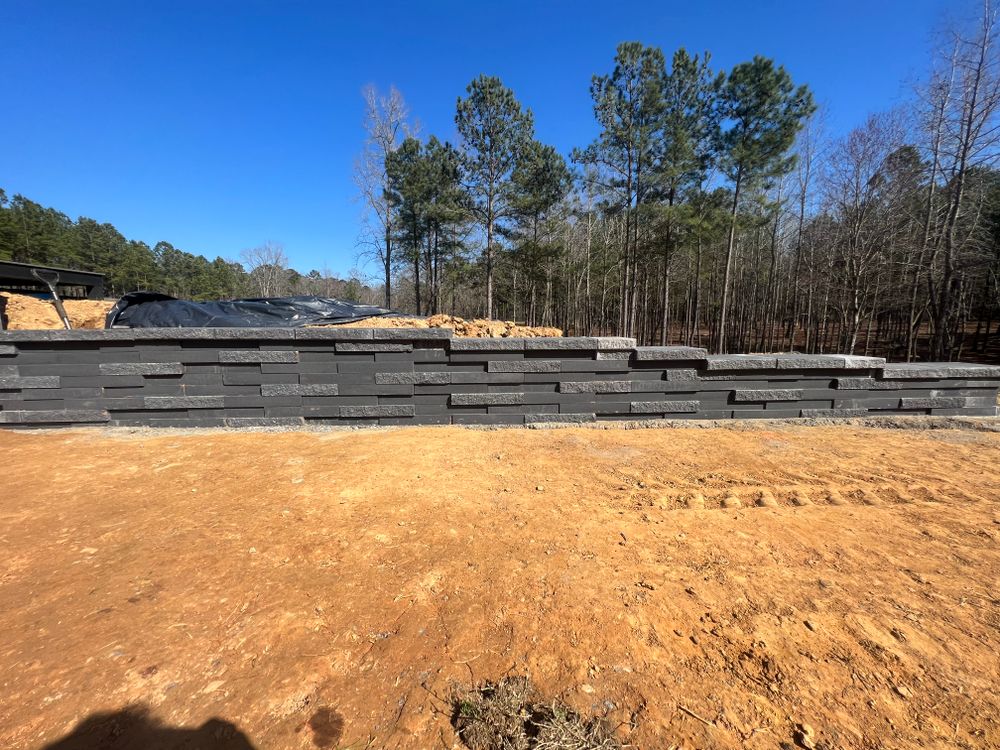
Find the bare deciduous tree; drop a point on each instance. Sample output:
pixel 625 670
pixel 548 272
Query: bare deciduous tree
pixel 386 127
pixel 267 266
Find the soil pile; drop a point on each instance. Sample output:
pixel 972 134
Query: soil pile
pixel 477 328
pixel 24 312
pixel 27 313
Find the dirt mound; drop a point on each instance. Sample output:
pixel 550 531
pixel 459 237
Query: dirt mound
pixel 477 328
pixel 24 312
pixel 27 313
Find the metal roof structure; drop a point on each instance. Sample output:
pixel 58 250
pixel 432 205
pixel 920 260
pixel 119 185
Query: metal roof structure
pixel 73 283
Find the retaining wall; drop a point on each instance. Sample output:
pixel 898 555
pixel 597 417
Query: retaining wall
pixel 252 377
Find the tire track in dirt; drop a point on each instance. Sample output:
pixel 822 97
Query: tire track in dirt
pixel 776 497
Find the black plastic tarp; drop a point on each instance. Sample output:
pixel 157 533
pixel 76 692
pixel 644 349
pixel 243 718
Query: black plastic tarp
pixel 152 310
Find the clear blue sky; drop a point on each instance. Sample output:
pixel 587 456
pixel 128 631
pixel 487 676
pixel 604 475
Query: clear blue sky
pixel 218 125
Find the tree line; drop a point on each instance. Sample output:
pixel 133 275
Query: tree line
pixel 711 209
pixel 32 233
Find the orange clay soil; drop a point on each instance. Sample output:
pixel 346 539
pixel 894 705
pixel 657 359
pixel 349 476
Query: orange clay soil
pixel 24 312
pixel 478 328
pixel 328 589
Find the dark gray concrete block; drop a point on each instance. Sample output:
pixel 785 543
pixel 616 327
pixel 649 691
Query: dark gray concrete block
pixel 351 346
pixel 523 365
pixel 596 386
pixel 979 411
pixel 7 350
pixel 932 370
pixel 54 416
pixel 487 419
pixel 622 355
pixel 356 412
pixel 741 362
pixel 298 389
pixel 210 334
pixel 412 334
pixel 952 402
pixel 663 407
pixel 16 382
pixel 594 365
pixel 251 356
pixel 333 333
pixel 412 378
pixel 486 345
pixel 142 368
pixel 661 353
pixel 565 418
pixel 370 389
pixel 833 413
pixel 264 421
pixel 184 402
pixel 774 394
pixel 682 375
pixel 486 399
pixel 869 384
pixel 603 343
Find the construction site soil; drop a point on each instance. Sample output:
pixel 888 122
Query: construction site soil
pixel 826 587
pixel 24 312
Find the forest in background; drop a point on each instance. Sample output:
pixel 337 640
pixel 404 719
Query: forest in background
pixel 32 233
pixel 711 209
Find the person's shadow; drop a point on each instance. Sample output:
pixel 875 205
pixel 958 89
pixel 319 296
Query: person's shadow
pixel 133 728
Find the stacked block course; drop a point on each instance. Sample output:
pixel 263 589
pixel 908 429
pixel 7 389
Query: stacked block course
pixel 271 377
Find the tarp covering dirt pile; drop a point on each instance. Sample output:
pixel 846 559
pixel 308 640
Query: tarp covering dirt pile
pixel 152 310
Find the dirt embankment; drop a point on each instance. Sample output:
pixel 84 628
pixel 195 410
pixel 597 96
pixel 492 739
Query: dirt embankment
pixel 305 590
pixel 24 312
pixel 477 328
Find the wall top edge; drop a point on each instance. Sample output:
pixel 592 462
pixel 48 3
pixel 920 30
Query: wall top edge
pixel 439 336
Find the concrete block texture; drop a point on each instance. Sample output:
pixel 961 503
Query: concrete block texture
pixel 658 353
pixel 833 413
pixel 663 407
pixel 413 378
pixel 596 386
pixel 356 412
pixel 565 418
pixel 54 416
pixel 602 343
pixel 523 365
pixel 741 362
pixel 10 383
pixel 297 389
pixel 931 370
pixel 941 402
pixel 352 346
pixel 256 377
pixel 251 356
pixel 184 402
pixel 775 394
pixel 142 368
pixel 486 399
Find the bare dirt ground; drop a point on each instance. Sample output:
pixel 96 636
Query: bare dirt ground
pixel 476 328
pixel 24 312
pixel 329 589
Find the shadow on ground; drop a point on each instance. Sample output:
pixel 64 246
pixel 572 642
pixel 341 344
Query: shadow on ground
pixel 133 728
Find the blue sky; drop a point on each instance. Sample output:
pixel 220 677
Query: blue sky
pixel 219 125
